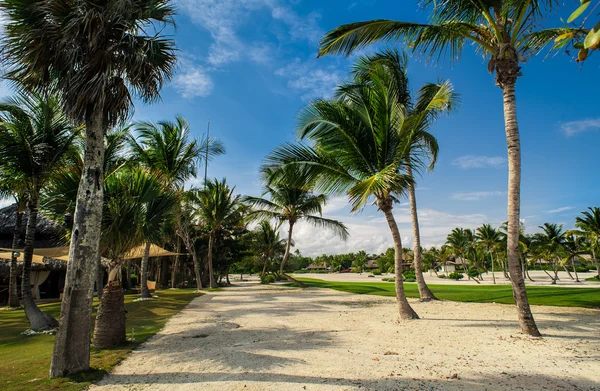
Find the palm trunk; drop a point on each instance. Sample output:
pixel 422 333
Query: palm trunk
pixel 493 272
pixel 72 343
pixel 110 330
pixel 13 292
pixel 568 271
pixel 286 257
pixel 175 265
pixel 513 144
pixel 192 250
pixel 144 272
pixel 404 308
pixel 264 270
pixel 597 263
pixel 99 278
pixel 37 319
pixel 424 292
pixel 574 269
pixel 211 243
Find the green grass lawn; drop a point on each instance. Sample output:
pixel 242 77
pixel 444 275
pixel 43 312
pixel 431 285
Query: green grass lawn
pixel 539 295
pixel 25 361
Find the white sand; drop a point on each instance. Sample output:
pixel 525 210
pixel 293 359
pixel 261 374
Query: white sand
pixel 274 338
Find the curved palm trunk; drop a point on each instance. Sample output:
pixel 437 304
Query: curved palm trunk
pixel 13 293
pixel 493 272
pixel 574 269
pixel 404 308
pixel 37 319
pixel 211 273
pixel 424 292
pixel 144 272
pixel 110 330
pixel 175 265
pixel 513 143
pixel 196 269
pixel 264 270
pixel 72 343
pixel 286 257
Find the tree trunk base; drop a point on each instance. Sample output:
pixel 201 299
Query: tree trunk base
pixel 37 319
pixel 293 280
pixel 110 322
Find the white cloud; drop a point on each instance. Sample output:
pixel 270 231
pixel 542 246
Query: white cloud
pixel 572 128
pixel 223 18
pixel 4 202
pixel 471 161
pixel 310 80
pixel 193 81
pixel 476 195
pixel 335 204
pixel 561 209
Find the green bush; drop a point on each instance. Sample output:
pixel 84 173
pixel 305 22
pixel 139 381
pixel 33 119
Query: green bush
pixel 268 279
pixel 408 274
pixel 391 270
pixel 442 276
pixel 595 278
pixel 580 269
pixel 456 276
pixel 376 272
pixel 388 279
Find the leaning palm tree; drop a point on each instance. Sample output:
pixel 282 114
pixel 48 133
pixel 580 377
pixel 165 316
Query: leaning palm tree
pixel 360 148
pixel 217 207
pixel 432 100
pixel 489 238
pixel 165 148
pixel 292 204
pixel 35 140
pixel 502 31
pixel 549 243
pixel 99 55
pixel 588 225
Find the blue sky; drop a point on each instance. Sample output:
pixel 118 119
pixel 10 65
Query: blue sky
pixel 250 65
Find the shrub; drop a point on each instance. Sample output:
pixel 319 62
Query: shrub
pixel 388 279
pixel 442 276
pixel 268 279
pixel 580 269
pixel 595 278
pixel 409 274
pixel 376 272
pixel 392 270
pixel 370 275
pixel 456 276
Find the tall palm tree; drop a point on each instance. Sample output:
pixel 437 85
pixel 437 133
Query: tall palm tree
pixel 489 239
pixel 217 207
pixel 430 103
pixel 13 185
pixel 292 204
pixel 589 225
pixel 35 139
pixel 573 248
pixel 550 243
pixel 268 244
pixel 136 206
pixel 360 147
pixel 99 55
pixel 166 149
pixel 502 31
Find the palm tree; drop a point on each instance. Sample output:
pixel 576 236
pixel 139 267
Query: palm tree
pixel 430 103
pixel 361 146
pixel 35 139
pixel 99 55
pixel 488 238
pixel 589 225
pixel 549 243
pixel 268 244
pixel 136 206
pixel 292 204
pixel 13 185
pixel 217 207
pixel 166 149
pixel 503 32
pixel 459 240
pixel 573 248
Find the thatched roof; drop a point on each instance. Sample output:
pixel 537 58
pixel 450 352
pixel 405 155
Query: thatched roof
pixel 45 226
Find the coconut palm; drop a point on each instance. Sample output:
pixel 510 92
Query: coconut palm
pixel 268 244
pixel 35 140
pixel 217 207
pixel 360 148
pixel 588 225
pixel 430 103
pixel 549 243
pixel 166 149
pixel 292 204
pixel 99 55
pixel 14 186
pixel 573 248
pixel 488 238
pixel 136 208
pixel 504 32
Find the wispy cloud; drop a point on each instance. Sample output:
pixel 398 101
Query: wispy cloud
pixel 572 128
pixel 561 209
pixel 193 81
pixel 476 195
pixel 310 80
pixel 472 161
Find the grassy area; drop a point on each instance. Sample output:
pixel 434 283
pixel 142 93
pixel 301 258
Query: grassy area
pixel 25 361
pixel 553 296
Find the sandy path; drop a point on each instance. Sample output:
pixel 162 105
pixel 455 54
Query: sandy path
pixel 275 338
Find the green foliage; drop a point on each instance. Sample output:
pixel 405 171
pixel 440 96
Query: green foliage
pixel 473 272
pixel 376 272
pixel 388 279
pixel 409 276
pixel 267 279
pixel 455 276
pixel 442 276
